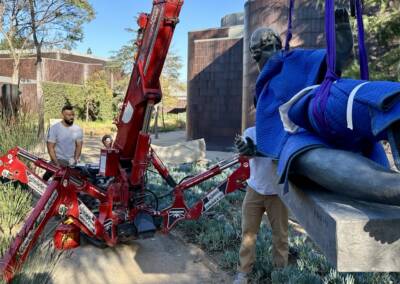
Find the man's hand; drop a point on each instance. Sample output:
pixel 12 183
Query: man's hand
pixel 51 149
pixel 78 151
pixel 245 147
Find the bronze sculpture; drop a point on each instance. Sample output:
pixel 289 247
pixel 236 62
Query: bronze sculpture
pixel 338 170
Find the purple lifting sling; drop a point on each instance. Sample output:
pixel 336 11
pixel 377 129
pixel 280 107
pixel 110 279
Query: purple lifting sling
pixel 330 76
pixel 323 93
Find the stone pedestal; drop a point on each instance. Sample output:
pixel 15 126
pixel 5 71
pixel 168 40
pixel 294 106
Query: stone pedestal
pixel 355 236
pixel 181 153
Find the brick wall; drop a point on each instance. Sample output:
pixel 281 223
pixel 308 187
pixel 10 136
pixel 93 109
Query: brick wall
pixel 214 87
pixel 28 97
pixel 61 70
pixel 27 68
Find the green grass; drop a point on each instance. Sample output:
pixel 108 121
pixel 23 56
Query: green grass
pixel 97 128
pixel 218 233
pixel 172 122
pixel 101 127
pixel 22 133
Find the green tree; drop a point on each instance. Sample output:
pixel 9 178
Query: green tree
pixel 55 23
pixel 15 32
pixel 383 28
pixel 170 83
pixel 98 97
pixel 124 57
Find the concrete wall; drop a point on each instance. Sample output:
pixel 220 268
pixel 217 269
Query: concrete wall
pixel 233 19
pixel 215 86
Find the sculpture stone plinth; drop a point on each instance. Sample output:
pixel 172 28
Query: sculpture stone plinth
pixel 355 236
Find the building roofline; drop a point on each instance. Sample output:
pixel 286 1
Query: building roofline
pixel 58 50
pixel 216 28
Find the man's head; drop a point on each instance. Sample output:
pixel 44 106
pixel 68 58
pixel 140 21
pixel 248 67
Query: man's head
pixel 107 141
pixel 68 114
pixel 264 42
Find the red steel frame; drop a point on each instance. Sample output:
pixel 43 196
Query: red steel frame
pixel 133 154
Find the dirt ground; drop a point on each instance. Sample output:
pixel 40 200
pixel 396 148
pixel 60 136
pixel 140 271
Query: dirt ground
pixel 162 259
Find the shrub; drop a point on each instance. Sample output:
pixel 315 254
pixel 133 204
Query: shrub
pixel 94 95
pixel 57 95
pixel 98 98
pixel 16 203
pixel 21 133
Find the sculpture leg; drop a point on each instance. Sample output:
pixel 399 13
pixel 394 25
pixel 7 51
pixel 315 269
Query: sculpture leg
pixel 349 174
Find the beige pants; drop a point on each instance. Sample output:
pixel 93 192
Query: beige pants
pixel 253 208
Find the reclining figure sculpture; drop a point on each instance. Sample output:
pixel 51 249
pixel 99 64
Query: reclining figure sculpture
pixel 334 139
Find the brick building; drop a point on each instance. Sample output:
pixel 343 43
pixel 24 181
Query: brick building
pixel 214 98
pixel 59 66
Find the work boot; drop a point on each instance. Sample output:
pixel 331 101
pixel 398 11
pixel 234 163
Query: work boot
pixel 241 278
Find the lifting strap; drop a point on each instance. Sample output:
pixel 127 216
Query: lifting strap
pixel 330 76
pixel 290 27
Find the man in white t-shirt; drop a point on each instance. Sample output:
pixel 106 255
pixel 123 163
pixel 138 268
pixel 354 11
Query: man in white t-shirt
pixel 261 196
pixel 64 140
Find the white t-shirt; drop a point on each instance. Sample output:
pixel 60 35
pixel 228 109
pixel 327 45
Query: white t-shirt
pixel 65 139
pixel 262 178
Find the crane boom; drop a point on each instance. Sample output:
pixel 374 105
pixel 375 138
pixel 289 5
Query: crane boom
pixel 154 38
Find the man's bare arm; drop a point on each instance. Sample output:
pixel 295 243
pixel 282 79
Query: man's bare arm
pixel 51 149
pixel 78 150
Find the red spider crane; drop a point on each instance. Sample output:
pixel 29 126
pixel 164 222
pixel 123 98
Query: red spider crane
pixel 110 203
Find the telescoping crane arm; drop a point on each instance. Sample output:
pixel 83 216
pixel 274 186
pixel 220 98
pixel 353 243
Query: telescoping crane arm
pixel 154 38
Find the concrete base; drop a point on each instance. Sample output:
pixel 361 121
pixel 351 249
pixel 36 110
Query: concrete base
pixel 355 236
pixel 185 152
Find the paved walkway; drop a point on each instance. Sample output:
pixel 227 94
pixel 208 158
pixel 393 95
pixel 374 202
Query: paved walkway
pixel 162 259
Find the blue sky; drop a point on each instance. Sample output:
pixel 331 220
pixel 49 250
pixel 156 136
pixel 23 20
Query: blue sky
pixel 107 32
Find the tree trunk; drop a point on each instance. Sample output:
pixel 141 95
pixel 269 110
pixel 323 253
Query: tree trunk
pixel 156 123
pixel 39 71
pixel 15 75
pixel 40 98
pixel 162 116
pixel 87 111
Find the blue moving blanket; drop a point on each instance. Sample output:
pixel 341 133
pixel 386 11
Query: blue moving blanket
pixel 357 112
pixel 282 77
